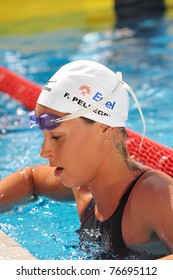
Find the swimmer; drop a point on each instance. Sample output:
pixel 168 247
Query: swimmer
pixel 82 112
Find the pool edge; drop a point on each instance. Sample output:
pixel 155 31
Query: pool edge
pixel 11 250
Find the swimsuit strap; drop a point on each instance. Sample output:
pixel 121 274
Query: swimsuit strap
pixel 116 218
pixel 114 224
pixel 88 212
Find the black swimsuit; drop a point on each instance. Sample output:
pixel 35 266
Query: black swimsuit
pixel 108 233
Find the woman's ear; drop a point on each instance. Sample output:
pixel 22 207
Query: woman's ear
pixel 107 131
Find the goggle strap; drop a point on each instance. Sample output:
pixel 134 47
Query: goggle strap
pixel 139 109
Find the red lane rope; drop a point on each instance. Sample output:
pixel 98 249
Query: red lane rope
pixel 19 88
pixel 152 153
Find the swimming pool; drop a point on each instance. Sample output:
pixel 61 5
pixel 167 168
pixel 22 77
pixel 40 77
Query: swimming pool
pixel 143 53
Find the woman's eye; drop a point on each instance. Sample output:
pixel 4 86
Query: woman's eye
pixel 56 137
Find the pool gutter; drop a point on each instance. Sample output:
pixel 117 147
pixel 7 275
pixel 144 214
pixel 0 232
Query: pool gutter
pixel 11 250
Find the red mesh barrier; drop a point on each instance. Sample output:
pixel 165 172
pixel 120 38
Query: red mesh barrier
pixel 152 153
pixel 19 88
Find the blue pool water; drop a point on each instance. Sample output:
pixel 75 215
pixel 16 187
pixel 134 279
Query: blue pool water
pixel 143 53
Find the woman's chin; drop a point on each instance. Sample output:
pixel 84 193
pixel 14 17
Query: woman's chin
pixel 68 182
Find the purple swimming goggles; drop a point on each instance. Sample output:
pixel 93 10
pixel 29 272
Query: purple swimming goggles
pixel 44 122
pixel 51 121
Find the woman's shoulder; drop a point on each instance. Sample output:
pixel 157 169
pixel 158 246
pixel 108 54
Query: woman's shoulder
pixel 155 178
pixel 152 187
pixel 152 201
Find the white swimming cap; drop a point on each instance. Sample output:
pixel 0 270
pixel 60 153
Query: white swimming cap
pixel 91 90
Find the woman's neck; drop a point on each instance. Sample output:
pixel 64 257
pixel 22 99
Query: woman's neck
pixel 108 188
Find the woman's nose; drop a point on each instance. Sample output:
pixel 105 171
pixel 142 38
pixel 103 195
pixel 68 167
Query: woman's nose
pixel 45 151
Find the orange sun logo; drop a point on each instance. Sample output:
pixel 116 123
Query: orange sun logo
pixel 85 90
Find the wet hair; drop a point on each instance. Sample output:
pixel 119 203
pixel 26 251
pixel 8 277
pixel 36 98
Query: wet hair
pixel 123 132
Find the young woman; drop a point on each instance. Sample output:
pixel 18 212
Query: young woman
pixel 121 204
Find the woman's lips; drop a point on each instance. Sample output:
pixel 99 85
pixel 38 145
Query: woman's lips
pixel 58 171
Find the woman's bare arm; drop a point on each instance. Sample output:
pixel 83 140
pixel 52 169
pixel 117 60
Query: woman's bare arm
pixel 29 182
